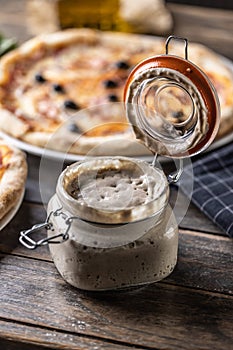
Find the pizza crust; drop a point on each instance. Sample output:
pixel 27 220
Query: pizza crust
pixel 12 125
pixel 13 180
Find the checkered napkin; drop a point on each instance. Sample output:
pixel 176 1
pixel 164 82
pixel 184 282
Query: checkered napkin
pixel 213 186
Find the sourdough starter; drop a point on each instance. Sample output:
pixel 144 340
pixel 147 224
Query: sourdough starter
pixel 99 256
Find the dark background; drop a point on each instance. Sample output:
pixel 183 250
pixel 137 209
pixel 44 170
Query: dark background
pixel 224 4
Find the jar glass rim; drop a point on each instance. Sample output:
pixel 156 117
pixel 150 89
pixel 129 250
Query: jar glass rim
pixel 118 215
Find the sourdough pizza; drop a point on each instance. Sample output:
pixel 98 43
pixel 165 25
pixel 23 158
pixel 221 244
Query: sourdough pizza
pixel 13 172
pixel 50 78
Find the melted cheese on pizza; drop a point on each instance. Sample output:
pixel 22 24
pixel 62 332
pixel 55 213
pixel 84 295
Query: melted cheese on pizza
pixel 44 92
pixel 87 76
pixel 106 129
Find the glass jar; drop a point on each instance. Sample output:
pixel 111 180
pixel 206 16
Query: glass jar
pixel 113 243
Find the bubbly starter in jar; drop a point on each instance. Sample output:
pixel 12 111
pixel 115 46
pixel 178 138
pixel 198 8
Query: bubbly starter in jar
pixel 102 256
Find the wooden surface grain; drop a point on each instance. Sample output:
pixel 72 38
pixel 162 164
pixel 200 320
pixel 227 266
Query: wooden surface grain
pixel 195 301
pixel 162 314
pixel 29 337
pixel 190 309
pixel 201 263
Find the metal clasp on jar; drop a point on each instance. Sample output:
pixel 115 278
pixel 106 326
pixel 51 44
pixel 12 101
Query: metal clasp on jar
pixel 25 235
pixel 174 177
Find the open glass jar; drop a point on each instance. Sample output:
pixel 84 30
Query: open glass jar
pixel 110 217
pixel 123 232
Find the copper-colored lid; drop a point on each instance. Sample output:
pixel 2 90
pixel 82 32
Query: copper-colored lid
pixel 200 81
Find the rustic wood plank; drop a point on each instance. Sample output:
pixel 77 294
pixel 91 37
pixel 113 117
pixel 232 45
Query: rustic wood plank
pixel 160 316
pixel 22 336
pixel 27 216
pixel 204 261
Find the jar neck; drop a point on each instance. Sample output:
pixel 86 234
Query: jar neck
pixel 100 236
pixel 156 183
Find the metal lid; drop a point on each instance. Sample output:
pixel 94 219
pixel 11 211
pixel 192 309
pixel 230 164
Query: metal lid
pixel 172 105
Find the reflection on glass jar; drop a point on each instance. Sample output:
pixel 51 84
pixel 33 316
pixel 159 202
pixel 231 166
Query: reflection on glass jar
pixel 123 232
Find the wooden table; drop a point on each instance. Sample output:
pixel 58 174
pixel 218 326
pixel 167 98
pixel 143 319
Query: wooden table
pixel 191 309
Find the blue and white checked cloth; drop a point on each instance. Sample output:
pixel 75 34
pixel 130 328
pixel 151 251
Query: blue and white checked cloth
pixel 213 186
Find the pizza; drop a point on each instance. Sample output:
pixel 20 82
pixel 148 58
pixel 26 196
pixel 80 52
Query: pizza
pixel 64 90
pixel 13 172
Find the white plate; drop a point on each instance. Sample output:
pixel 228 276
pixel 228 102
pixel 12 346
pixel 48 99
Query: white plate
pixel 39 151
pixel 70 157
pixel 9 216
pixel 49 153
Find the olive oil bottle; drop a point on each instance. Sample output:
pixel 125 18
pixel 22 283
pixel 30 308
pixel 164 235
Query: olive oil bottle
pixel 50 15
pixel 135 16
pixel 100 14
